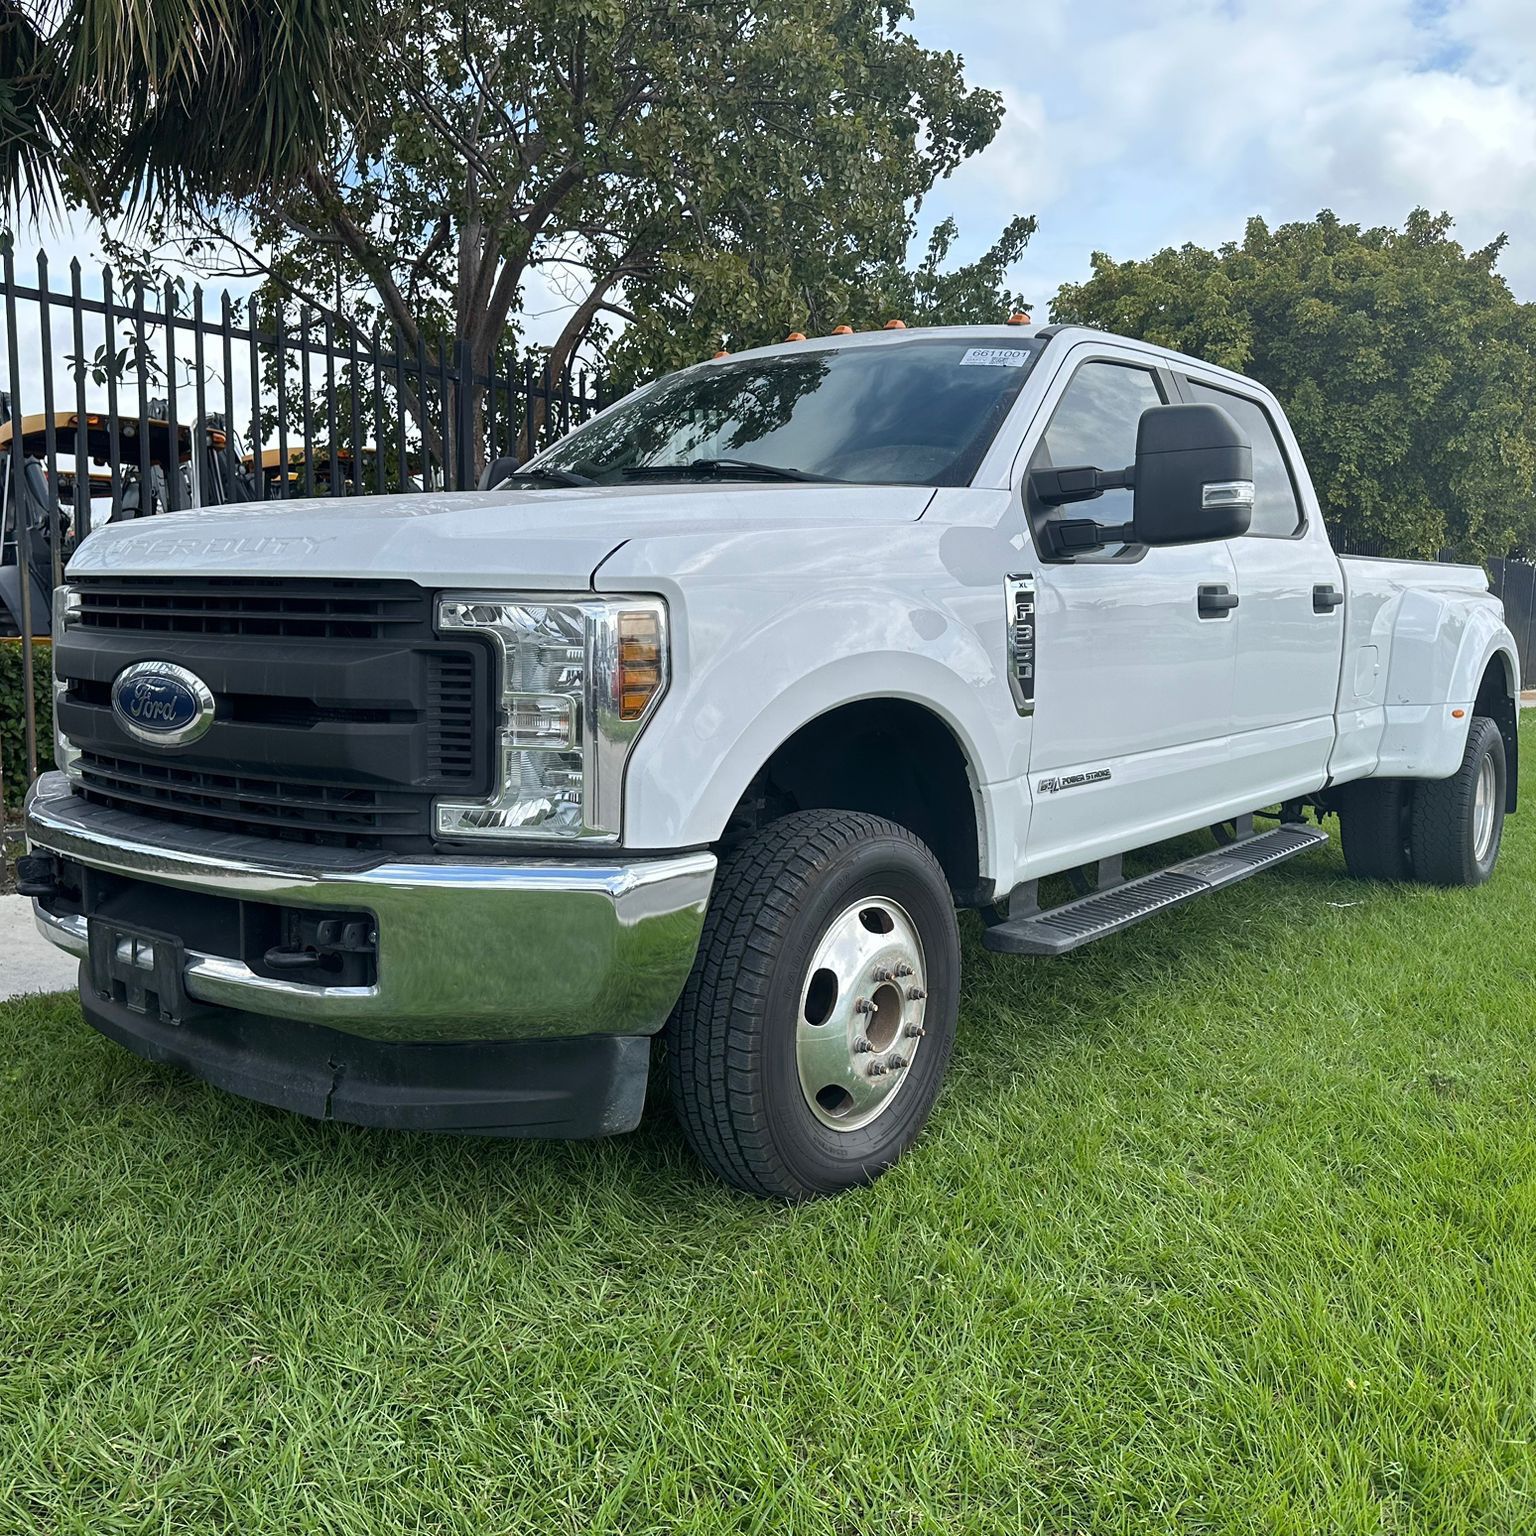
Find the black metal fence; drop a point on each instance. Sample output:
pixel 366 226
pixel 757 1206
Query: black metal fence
pixel 1514 582
pixel 129 399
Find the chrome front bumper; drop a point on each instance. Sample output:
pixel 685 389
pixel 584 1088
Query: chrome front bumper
pixel 467 951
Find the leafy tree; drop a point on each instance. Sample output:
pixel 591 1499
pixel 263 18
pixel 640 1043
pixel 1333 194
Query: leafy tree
pixel 747 167
pixel 1406 367
pixel 693 172
pixel 680 325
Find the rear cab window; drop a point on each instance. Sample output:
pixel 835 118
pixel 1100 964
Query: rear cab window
pixel 1276 506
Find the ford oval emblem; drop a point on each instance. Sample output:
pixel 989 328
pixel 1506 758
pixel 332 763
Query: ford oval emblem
pixel 162 704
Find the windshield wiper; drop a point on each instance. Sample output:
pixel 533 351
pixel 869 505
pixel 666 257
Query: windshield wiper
pixel 721 469
pixel 550 477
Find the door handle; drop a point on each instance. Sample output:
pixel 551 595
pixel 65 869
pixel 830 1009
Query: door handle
pixel 1216 602
pixel 1325 598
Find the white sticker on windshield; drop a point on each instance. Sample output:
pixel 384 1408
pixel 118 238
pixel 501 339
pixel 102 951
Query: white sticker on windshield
pixel 995 357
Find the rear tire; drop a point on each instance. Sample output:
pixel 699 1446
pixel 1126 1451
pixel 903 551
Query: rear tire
pixel 1458 823
pixel 1375 826
pixel 830 948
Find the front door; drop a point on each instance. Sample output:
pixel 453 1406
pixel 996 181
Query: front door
pixel 1134 675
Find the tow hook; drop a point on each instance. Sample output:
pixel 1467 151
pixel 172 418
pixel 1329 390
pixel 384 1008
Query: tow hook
pixel 333 936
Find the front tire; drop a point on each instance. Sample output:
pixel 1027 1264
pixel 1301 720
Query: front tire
pixel 1458 823
pixel 812 1037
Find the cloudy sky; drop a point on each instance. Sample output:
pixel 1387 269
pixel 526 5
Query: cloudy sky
pixel 1132 126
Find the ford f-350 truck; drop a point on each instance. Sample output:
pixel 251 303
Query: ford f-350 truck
pixel 438 811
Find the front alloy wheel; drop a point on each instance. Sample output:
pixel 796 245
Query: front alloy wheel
pixel 811 1039
pixel 861 1014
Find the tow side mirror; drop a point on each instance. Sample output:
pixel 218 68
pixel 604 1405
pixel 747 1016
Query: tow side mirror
pixel 1192 481
pixel 1194 476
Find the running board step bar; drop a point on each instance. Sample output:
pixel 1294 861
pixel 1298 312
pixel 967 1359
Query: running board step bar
pixel 1067 927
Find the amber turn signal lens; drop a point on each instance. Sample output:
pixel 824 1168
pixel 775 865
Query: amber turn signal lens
pixel 639 663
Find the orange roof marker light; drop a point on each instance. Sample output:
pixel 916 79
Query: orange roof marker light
pixel 842 330
pixel 1018 317
pixel 795 336
pixel 721 353
pixel 895 325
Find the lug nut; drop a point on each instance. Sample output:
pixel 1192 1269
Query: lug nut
pixel 904 969
pixel 897 1063
pixel 876 1069
pixel 861 1046
pixel 883 973
pixel 915 1031
pixel 863 1005
pixel 915 994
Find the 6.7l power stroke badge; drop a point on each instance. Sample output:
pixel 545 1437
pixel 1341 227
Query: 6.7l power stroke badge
pixel 1073 780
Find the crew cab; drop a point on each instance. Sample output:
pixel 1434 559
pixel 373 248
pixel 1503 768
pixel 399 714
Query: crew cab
pixel 438 811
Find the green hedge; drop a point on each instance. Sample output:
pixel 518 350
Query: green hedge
pixel 13 748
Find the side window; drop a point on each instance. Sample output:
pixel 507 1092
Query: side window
pixel 1095 423
pixel 1276 512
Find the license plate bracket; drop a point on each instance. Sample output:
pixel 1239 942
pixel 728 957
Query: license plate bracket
pixel 140 969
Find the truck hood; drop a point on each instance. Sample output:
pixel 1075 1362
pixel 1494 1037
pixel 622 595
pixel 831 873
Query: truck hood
pixel 545 540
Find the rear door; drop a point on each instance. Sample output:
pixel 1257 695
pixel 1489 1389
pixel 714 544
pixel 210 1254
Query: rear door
pixel 1290 618
pixel 1133 682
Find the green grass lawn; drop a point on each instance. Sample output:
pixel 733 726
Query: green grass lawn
pixel 1227 1224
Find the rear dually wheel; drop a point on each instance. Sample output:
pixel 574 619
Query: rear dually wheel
pixel 1458 823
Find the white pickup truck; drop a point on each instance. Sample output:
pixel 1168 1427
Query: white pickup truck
pixel 436 811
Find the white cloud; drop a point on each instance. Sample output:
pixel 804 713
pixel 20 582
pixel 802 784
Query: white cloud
pixel 1172 123
pixel 1021 165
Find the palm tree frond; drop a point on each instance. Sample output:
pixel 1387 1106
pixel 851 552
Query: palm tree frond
pixel 167 104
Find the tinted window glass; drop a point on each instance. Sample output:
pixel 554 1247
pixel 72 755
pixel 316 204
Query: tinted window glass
pixel 918 412
pixel 1095 423
pixel 1275 512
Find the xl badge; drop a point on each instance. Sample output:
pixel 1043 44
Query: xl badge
pixel 162 704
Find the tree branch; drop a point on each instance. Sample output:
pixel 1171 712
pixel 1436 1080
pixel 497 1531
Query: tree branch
pixel 367 255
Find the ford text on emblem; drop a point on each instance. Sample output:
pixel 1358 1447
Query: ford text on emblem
pixel 162 704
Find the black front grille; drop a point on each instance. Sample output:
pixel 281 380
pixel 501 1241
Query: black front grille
pixel 340 713
pixel 278 608
pixel 451 705
pixel 254 804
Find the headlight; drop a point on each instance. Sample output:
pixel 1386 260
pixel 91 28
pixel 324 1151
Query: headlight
pixel 66 611
pixel 578 679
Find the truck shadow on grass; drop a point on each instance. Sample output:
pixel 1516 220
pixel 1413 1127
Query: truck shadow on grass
pixel 1017 1017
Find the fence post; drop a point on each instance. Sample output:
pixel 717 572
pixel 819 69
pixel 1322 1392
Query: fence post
pixel 1530 623
pixel 465 435
pixel 82 468
pixel 50 432
pixel 18 507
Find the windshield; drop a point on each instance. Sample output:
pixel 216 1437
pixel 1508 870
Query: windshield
pixel 918 412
